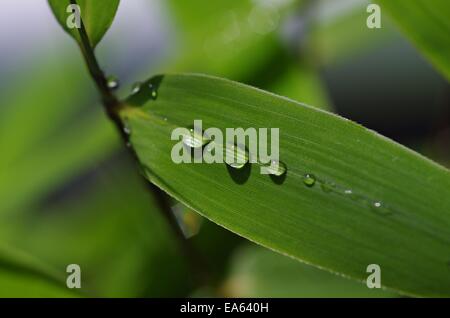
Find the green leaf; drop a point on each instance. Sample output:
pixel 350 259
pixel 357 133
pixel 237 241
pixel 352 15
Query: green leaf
pixel 90 228
pixel 37 152
pixel 220 37
pixel 258 272
pixel 23 276
pixel 97 16
pixel 426 24
pixel 373 202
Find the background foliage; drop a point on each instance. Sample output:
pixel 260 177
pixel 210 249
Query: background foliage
pixel 70 194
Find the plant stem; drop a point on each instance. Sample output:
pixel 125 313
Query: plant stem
pixel 112 107
pixel 111 103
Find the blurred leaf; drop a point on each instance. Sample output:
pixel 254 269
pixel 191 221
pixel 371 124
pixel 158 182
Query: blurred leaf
pixel 97 16
pixel 47 131
pixel 30 116
pixel 130 254
pixel 426 24
pixel 258 272
pixel 54 161
pixel 373 200
pixel 301 82
pixel 221 37
pixel 340 38
pixel 23 276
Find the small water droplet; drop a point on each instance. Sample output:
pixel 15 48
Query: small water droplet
pixel 136 88
pixel 327 187
pixel 352 195
pixel 309 180
pixel 153 91
pixel 195 139
pixel 127 130
pixel 112 82
pixel 380 208
pixel 235 156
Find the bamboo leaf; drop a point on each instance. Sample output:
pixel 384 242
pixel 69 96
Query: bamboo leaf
pixel 23 276
pixel 426 24
pixel 97 16
pixel 367 200
pixel 258 272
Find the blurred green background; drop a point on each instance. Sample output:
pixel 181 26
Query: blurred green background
pixel 69 193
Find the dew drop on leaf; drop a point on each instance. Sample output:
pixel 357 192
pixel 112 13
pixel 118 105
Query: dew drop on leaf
pixel 112 82
pixel 235 156
pixel 136 88
pixel 327 187
pixel 309 180
pixel 153 91
pixel 126 128
pixel 380 208
pixel 195 139
pixel 349 193
pixel 276 168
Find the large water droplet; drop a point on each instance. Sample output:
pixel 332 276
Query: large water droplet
pixel 153 91
pixel 276 168
pixel 112 82
pixel 195 139
pixel 235 156
pixel 136 88
pixel 309 180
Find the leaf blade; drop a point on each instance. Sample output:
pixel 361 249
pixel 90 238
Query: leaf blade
pixel 97 16
pixel 21 275
pixel 336 231
pixel 426 24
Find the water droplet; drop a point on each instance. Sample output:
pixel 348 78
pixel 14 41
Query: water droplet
pixel 327 187
pixel 235 156
pixel 136 88
pixel 380 208
pixel 309 180
pixel 276 168
pixel 352 195
pixel 112 82
pixel 195 139
pixel 153 91
pixel 127 130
